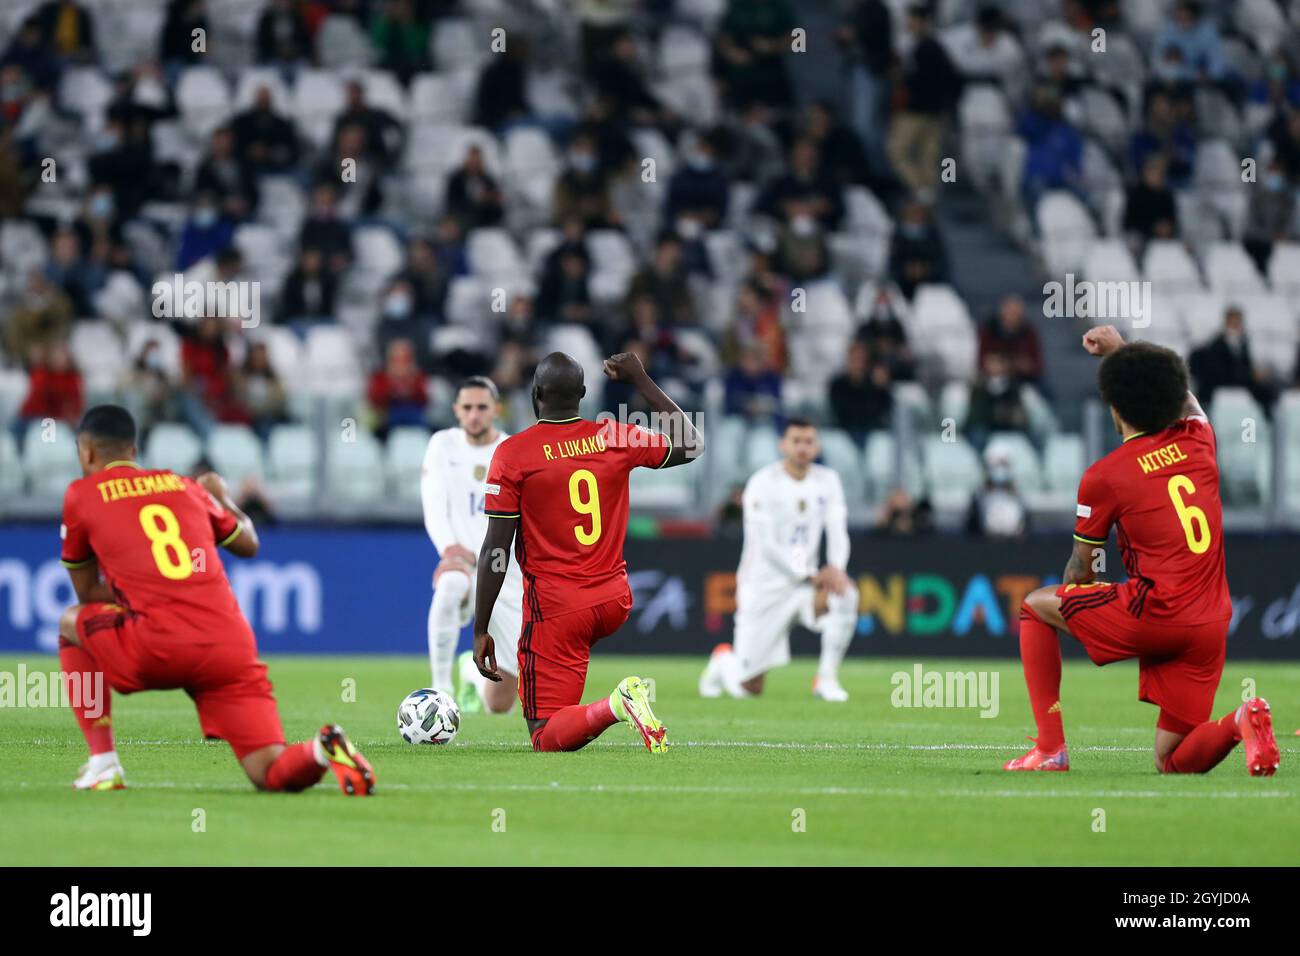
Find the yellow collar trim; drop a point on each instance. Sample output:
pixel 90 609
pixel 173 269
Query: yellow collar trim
pixel 1134 435
pixel 122 463
pixel 560 421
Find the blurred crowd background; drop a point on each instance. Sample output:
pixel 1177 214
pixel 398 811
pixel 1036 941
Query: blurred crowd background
pixel 842 210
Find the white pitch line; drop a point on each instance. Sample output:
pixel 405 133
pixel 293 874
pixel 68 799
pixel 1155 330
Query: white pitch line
pixel 891 792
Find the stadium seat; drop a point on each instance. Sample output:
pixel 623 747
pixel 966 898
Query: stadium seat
pixel 1169 268
pixel 433 102
pixel 1067 232
pixel 291 458
pixel 317 101
pixel 1284 269
pixel 666 488
pixel 97 351
pixel 173 446
pixel 203 99
pixel 1288 419
pixel 13 392
pixel 494 257
pixel 760 447
pixel 1230 271
pixel 954 403
pixel 11 465
pixel 952 471
pixel 235 452
pixel 50 458
pixel 1244 440
pixel 1063 463
pixel 404 459
pixel 840 453
pixel 355 468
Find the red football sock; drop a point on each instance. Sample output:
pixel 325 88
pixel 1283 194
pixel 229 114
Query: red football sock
pixel 295 769
pixel 1040 653
pixel 89 696
pixel 572 728
pixel 1205 747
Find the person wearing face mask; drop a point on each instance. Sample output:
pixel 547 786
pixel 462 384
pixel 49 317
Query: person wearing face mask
pixel 1271 217
pixel 698 190
pixel 1226 362
pixel 996 509
pixel 207 232
pixel 917 252
pixel 995 404
pixel 399 320
pixel 42 316
pixel 583 189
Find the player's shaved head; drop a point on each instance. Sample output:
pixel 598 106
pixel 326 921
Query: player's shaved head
pixel 557 386
pixel 106 434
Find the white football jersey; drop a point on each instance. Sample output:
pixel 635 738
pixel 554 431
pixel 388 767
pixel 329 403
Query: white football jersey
pixel 453 490
pixel 784 521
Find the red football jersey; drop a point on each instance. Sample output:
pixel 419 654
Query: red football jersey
pixel 155 536
pixel 566 481
pixel 1161 492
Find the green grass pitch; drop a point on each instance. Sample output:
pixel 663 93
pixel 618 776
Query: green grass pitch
pixel 783 779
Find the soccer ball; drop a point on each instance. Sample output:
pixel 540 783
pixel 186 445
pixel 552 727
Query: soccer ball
pixel 428 716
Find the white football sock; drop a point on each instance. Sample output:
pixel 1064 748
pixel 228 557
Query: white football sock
pixel 837 626
pixel 101 762
pixel 729 668
pixel 444 626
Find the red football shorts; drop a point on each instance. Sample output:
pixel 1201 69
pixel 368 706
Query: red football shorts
pixel 226 681
pixel 1179 665
pixel 553 655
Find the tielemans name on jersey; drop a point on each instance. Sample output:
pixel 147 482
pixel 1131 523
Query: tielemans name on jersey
pixel 139 486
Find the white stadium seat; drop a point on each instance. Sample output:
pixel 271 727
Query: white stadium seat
pixel 172 446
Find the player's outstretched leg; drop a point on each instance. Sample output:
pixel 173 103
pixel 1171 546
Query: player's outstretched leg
pixel 1205 747
pixel 355 775
pixel 300 766
pixel 1040 653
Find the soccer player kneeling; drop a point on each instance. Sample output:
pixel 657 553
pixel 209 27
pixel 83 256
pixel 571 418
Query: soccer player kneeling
pixel 156 612
pixel 1160 490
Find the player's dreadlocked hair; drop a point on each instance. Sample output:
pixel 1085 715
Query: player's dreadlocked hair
pixel 111 427
pixel 1145 384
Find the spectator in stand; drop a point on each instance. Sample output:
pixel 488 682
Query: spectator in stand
pixel 1150 209
pixel 840 157
pixel 310 291
pixel 749 53
pixel 125 166
pixel 867 36
pixel 803 191
pixel 930 87
pixel 1188 49
pixel 397 393
pixel 29 53
pixel 1225 362
pixel 1059 74
pixel 883 334
pixel 54 386
pixel 660 353
pixel 1054 149
pixel 1277 88
pixel 1272 215
pixel 282 34
pixel 260 392
pixel 176 47
pixel 986 51
pixel 208 385
pixel 362 192
pixel 917 252
pixel 147 389
pixel 266 142
pixel 78 277
pixel 564 294
pixel 621 397
pixel 752 390
pixel 861 399
pixel 224 175
pixel 427 278
pixel 206 233
pixel 41 317
pixel 384 136
pixel 501 96
pixel 325 230
pixel 68 30
pixel 582 190
pixel 449 246
pixel 901 517
pixel 995 403
pixel 698 190
pixel 748 147
pixel 664 282
pixel 473 195
pixel 1168 134
pixel 1009 334
pixel 996 509
pixel 398 320
pixel 620 77
pixel 757 321
pixel 401 39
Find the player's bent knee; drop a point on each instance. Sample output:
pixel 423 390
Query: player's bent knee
pixel 449 593
pixel 68 624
